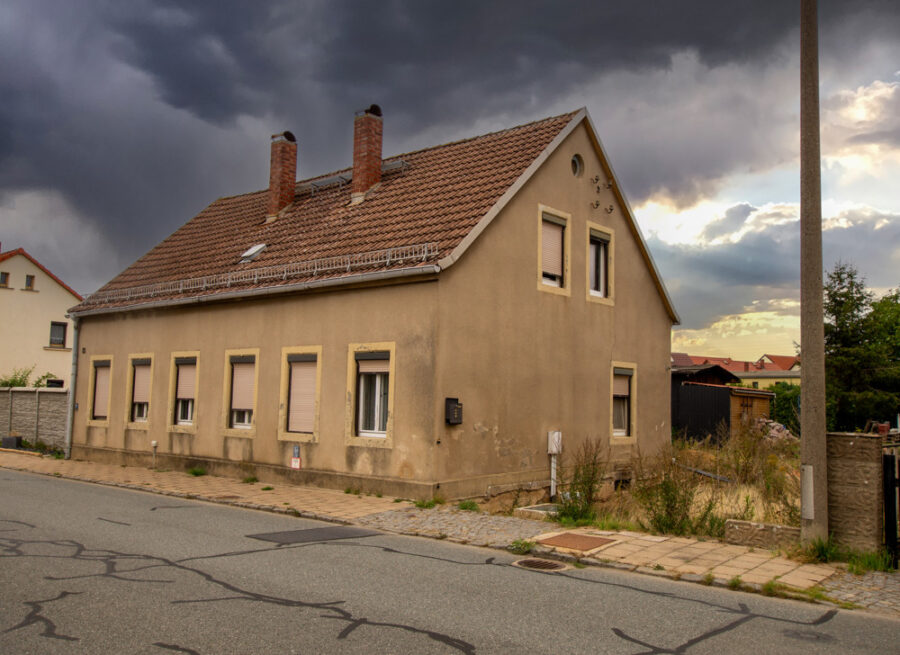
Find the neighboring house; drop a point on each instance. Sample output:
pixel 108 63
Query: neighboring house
pixel 701 409
pixel 412 326
pixel 35 331
pixel 761 374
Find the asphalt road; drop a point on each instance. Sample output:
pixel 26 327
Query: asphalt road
pixel 91 569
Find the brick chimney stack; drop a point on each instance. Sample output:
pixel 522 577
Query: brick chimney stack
pixel 366 151
pixel 282 173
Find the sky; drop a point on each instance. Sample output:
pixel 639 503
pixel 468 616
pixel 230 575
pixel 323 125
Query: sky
pixel 119 121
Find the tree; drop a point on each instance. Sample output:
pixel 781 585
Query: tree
pixel 862 351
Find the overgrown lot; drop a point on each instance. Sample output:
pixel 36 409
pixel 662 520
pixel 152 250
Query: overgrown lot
pixel 690 487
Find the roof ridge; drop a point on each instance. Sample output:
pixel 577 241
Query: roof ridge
pixel 339 171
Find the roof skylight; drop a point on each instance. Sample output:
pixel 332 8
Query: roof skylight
pixel 252 253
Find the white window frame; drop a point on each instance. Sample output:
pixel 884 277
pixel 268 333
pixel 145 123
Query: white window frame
pixel 596 234
pixel 241 419
pixel 180 403
pixel 380 387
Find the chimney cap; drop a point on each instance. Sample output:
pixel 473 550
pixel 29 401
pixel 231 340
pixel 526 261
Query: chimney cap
pixel 373 109
pixel 287 135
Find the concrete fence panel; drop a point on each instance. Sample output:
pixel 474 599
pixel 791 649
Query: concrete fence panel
pixel 34 414
pixel 855 494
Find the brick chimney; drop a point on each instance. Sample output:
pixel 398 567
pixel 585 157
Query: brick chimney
pixel 366 152
pixel 282 173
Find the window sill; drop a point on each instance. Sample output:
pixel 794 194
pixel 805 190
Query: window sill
pixel 365 441
pixel 138 425
pixel 622 440
pixel 98 423
pixel 29 290
pixel 61 349
pixel 183 429
pixel 600 300
pixel 244 433
pixel 298 437
pixel 552 288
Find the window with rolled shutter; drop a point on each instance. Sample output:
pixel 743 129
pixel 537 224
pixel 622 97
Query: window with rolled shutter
pixel 100 409
pixel 140 390
pixel 242 385
pixel 552 254
pixel 622 402
pixel 187 378
pixel 302 400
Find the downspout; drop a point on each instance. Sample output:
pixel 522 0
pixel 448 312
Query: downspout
pixel 70 413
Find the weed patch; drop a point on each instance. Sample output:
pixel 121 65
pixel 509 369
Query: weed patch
pixel 267 488
pixel 582 479
pixel 468 506
pixel 196 471
pixel 521 547
pixel 250 479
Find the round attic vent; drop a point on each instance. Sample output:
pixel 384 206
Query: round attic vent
pixel 577 166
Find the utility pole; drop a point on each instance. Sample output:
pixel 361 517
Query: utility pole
pixel 813 457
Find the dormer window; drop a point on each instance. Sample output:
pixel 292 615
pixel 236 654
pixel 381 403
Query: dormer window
pixel 252 253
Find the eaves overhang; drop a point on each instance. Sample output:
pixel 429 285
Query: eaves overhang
pixel 424 272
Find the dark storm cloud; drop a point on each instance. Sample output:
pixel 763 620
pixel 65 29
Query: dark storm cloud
pixel 731 221
pixel 137 114
pixel 709 282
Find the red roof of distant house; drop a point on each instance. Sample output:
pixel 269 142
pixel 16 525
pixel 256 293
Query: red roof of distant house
pixel 21 251
pixel 783 362
pixel 737 365
pixel 681 359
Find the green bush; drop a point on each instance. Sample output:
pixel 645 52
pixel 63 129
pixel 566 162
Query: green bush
pixel 196 471
pixel 18 377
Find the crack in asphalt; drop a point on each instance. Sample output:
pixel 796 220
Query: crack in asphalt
pixel 114 564
pixel 35 616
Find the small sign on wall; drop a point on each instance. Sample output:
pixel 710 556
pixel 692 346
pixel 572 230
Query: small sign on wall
pixel 295 460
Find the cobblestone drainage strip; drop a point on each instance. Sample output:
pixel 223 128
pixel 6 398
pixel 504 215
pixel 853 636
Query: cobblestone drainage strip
pixel 536 564
pixel 571 541
pixel 314 534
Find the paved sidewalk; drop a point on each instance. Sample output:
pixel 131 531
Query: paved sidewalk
pixel 709 562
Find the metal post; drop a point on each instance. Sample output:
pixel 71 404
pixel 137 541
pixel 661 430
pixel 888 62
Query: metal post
pixel 813 458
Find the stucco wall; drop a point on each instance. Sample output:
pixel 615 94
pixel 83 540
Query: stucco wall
pixel 25 329
pixel 35 414
pixel 523 360
pixel 402 314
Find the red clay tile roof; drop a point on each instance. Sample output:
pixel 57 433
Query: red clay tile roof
pixel 682 359
pixel 21 251
pixel 429 202
pixel 739 365
pixel 783 362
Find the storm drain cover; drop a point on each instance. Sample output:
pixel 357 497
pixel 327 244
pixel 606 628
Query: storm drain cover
pixel 582 542
pixel 536 564
pixel 314 534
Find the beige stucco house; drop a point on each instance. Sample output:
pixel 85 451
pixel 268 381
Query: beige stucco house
pixel 35 332
pixel 415 325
